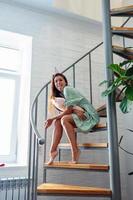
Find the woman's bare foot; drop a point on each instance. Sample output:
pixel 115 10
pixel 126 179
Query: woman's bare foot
pixel 75 157
pixel 52 157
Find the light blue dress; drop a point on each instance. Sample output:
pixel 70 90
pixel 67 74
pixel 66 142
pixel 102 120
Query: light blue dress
pixel 74 98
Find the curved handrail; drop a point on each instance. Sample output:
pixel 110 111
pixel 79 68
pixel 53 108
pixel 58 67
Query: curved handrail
pixel 40 139
pixel 83 56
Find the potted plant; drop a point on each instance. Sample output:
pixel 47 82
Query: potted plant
pixel 123 79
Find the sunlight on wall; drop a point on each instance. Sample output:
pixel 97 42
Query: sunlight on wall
pixel 85 8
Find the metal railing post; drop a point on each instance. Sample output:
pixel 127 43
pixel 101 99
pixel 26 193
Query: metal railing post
pixel 90 78
pixel 45 133
pixel 29 165
pixel 36 170
pixel 34 154
pixel 111 109
pixel 74 76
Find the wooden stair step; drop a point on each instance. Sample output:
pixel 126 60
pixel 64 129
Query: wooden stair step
pixel 87 166
pixel 84 145
pixel 100 126
pixel 123 52
pixel 102 111
pixel 123 31
pixel 118 97
pixel 122 11
pixel 71 190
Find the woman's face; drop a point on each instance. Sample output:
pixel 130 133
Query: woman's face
pixel 59 83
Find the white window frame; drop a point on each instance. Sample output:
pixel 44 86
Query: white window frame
pixel 12 156
pixel 24 44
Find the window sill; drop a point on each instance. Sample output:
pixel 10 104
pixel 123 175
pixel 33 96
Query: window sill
pixel 13 170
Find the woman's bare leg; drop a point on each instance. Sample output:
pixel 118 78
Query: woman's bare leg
pixel 56 137
pixel 69 127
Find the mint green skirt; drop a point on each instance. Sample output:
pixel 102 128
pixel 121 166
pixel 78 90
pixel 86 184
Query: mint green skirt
pixel 74 98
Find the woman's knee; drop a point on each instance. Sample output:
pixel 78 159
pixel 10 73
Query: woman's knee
pixel 65 119
pixel 57 122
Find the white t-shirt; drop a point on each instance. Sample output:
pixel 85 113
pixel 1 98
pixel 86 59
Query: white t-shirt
pixel 58 102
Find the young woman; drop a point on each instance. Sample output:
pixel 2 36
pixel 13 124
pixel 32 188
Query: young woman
pixel 76 112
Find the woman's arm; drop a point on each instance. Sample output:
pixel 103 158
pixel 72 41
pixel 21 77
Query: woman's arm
pixel 67 111
pixel 79 112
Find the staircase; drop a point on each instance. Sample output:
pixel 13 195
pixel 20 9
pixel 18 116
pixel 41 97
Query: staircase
pixel 60 189
pixel 126 53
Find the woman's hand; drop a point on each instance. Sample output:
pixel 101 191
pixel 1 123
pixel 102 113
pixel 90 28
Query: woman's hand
pixel 48 123
pixel 80 114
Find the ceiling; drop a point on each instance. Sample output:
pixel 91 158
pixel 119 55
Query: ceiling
pixel 41 6
pixel 89 9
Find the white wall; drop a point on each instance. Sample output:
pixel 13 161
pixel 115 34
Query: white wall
pixel 57 42
pixel 90 9
pixel 86 8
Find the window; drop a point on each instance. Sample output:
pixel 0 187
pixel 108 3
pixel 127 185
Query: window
pixel 15 68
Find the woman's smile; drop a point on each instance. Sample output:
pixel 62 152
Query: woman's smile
pixel 59 83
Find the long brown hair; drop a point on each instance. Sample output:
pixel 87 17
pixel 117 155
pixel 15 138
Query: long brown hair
pixel 54 91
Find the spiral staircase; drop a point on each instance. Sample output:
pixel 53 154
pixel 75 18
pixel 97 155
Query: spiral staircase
pixel 59 189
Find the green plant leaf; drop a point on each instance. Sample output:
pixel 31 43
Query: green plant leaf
pixel 117 70
pixel 123 77
pixel 125 105
pixel 126 62
pixel 130 77
pixel 103 82
pixel 129 93
pixel 109 90
pixel 115 84
pixel 129 71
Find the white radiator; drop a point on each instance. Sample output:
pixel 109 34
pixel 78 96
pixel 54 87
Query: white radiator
pixel 13 188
